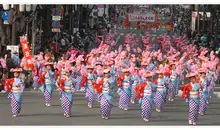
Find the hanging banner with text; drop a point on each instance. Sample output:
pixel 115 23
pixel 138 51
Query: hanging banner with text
pixel 26 52
pixel 148 17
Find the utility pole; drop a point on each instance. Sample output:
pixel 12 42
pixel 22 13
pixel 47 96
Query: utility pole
pixel 87 16
pixel 198 19
pixel 27 29
pixel 2 33
pixel 78 18
pixel 13 35
pixel 33 34
pixel 104 11
pixel 204 17
pixel 216 26
pixel 213 14
pixel 73 18
pixel 70 16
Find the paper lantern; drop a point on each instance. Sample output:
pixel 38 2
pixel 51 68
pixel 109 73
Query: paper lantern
pixel 6 6
pixel 28 8
pixel 21 8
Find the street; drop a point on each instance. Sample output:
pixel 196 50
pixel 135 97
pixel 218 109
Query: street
pixel 34 112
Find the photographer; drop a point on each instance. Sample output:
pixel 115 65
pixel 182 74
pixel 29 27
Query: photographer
pixel 3 77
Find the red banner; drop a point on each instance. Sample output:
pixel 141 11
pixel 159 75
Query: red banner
pixel 26 52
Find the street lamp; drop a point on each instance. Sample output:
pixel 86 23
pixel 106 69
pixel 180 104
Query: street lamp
pixel 33 31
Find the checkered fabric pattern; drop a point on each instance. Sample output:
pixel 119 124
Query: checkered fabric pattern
pixel 165 98
pixel 35 84
pixel 47 97
pixel 146 108
pixel 202 105
pixel 15 106
pixel 105 107
pixel 66 104
pixel 133 94
pixel 10 95
pixel 177 89
pixel 124 100
pixel 159 100
pixel 78 81
pixel 98 97
pixel 171 91
pixel 90 97
pixel 193 110
pixel 211 88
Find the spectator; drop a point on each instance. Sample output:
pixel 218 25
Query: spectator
pixel 157 47
pixel 109 27
pixel 2 80
pixel 189 33
pixel 2 61
pixel 10 64
pixel 1 76
pixel 175 27
pixel 100 30
pixel 204 39
pixel 212 45
pixel 7 52
pixel 218 44
pixel 169 28
pixel 181 28
pixel 16 59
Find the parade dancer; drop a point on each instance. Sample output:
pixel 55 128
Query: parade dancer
pixel 87 84
pixel 160 96
pixel 15 87
pixel 143 69
pixel 135 81
pixel 36 70
pixel 126 62
pixel 47 81
pixel 124 91
pixel 211 83
pixel 106 87
pixel 80 70
pixel 218 73
pixel 113 70
pixel 173 86
pixel 145 96
pixel 167 81
pixel 77 76
pixel 191 91
pixel 67 87
pixel 203 92
pixel 49 56
pixel 98 76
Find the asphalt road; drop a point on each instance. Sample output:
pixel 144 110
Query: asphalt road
pixel 122 31
pixel 34 112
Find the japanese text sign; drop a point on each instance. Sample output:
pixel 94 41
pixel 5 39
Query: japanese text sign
pixel 148 17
